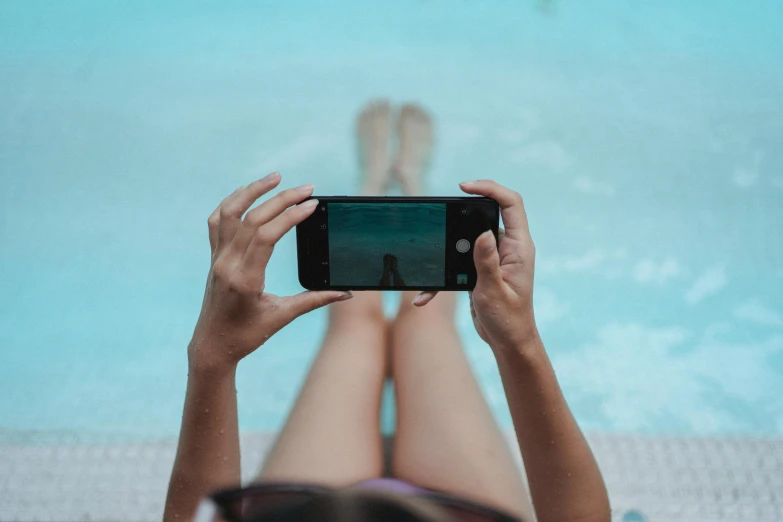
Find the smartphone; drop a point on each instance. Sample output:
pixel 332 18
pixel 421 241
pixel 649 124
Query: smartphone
pixel 393 243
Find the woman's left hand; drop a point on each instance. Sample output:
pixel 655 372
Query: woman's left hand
pixel 237 315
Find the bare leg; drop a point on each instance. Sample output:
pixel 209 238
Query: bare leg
pixel 447 439
pixel 415 137
pixel 332 435
pixel 372 137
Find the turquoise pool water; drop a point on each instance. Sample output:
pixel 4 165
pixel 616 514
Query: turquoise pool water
pixel 647 139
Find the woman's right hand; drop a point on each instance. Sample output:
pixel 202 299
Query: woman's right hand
pixel 238 315
pixel 502 302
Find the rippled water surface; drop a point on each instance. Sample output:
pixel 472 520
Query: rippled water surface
pixel 646 138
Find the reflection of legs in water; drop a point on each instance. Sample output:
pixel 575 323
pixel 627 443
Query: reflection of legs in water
pixel 391 275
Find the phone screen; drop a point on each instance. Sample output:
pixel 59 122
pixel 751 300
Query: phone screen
pixel 393 245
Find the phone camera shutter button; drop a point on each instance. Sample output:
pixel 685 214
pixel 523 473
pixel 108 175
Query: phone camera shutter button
pixel 463 245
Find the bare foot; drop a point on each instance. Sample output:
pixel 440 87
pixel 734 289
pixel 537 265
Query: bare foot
pixel 416 137
pixel 372 139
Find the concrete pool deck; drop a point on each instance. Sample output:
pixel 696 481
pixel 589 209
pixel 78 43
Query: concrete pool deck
pixel 666 478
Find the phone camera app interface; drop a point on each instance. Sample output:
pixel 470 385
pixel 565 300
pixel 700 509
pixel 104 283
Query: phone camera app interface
pixel 387 244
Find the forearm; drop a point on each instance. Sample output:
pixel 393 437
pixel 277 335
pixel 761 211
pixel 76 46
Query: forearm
pixel 208 451
pixel 564 478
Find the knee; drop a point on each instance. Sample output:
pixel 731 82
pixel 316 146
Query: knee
pixel 357 317
pixel 431 314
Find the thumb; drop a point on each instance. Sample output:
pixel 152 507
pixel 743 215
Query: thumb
pixel 486 259
pixel 305 302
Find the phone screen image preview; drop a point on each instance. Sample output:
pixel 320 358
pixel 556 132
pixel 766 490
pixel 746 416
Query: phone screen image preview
pixel 387 244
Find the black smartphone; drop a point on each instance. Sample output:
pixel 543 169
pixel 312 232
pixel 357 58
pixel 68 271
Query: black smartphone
pixel 393 243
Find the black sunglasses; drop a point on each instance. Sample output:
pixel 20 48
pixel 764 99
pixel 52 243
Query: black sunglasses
pixel 251 503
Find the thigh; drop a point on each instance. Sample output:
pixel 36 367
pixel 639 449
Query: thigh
pixel 447 438
pixel 332 434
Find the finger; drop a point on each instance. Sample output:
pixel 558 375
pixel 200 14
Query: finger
pixel 424 297
pixel 265 213
pixel 212 225
pixel 265 237
pixel 487 260
pixel 213 222
pixel 300 304
pixel 233 207
pixel 512 208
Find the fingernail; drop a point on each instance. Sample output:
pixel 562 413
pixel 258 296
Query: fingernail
pixel 305 189
pixel 345 296
pixel 490 246
pixel 309 204
pixel 467 183
pixel 270 177
pixel 416 299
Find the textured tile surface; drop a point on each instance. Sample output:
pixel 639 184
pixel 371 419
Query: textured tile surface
pixel 667 479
